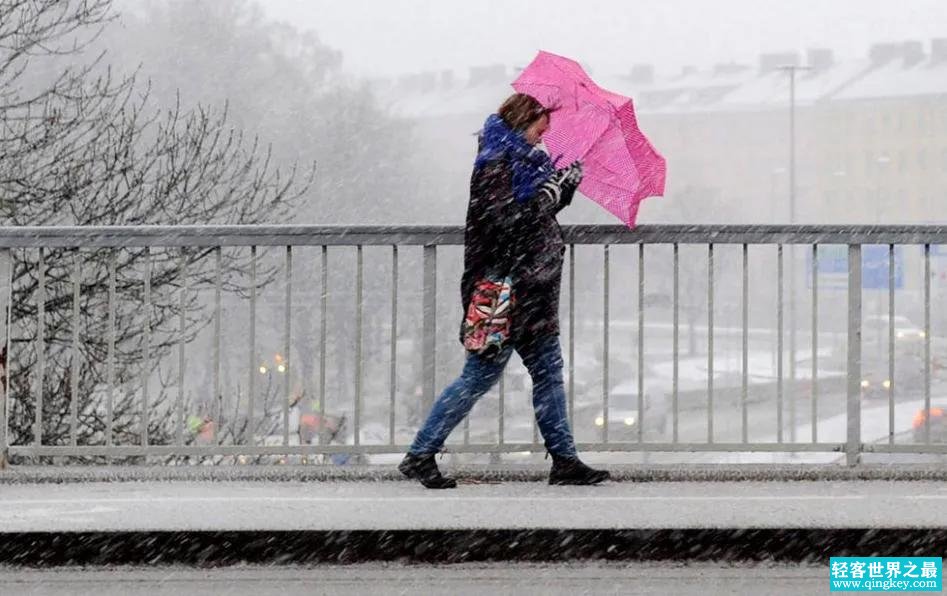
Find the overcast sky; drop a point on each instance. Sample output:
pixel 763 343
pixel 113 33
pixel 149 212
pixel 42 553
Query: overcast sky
pixel 385 37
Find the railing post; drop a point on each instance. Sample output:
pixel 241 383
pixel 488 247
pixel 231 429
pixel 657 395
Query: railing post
pixel 6 299
pixel 428 328
pixel 853 443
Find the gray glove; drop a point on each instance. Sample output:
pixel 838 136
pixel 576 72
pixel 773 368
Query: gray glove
pixel 571 178
pixel 573 174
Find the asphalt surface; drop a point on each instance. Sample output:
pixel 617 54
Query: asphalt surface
pixel 461 580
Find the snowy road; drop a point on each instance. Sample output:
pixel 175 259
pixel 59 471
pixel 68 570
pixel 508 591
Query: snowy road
pixel 460 580
pixel 392 505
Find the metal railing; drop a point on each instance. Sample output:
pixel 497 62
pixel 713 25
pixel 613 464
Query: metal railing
pixel 17 273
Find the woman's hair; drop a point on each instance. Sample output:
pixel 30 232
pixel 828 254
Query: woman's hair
pixel 521 110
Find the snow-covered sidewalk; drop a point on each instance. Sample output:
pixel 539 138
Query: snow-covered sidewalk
pixel 394 505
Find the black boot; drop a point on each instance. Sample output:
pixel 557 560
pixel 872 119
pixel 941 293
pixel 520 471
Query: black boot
pixel 424 469
pixel 571 470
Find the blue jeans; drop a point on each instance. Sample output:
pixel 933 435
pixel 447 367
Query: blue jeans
pixel 543 360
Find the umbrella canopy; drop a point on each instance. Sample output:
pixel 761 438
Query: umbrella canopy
pixel 598 127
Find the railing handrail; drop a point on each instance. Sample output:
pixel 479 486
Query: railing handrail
pixel 436 235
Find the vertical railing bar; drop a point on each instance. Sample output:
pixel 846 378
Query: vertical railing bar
pixel 467 431
pixel 218 314
pixel 676 347
pixel 253 363
pixel 535 425
pixel 393 358
pixel 466 434
pixel 891 282
pixel 323 316
pixel 605 291
pixel 779 343
pixel 182 325
pixel 571 336
pixel 359 280
pixel 501 412
pixel 146 349
pixel 853 398
pixel 6 300
pixel 927 343
pixel 710 343
pixel 41 346
pixel 502 407
pixel 745 370
pixel 791 349
pixel 814 369
pixel 535 444
pixel 429 325
pixel 110 408
pixel 287 344
pixel 74 365
pixel 640 342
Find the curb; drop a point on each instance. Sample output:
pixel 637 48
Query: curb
pixel 469 473
pixel 217 549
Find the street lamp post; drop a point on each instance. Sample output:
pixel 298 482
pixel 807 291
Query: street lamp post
pixel 791 70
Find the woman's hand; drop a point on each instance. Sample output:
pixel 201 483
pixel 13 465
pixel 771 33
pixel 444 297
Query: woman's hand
pixel 557 192
pixel 573 174
pixel 571 178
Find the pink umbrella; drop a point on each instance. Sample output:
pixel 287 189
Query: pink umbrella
pixel 598 127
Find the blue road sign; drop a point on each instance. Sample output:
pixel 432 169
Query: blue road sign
pixel 833 267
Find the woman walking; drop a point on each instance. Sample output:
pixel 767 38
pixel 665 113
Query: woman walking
pixel 512 245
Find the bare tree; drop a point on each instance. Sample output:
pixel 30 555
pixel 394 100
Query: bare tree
pixel 79 147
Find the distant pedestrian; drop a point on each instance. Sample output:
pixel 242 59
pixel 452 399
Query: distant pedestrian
pixel 513 254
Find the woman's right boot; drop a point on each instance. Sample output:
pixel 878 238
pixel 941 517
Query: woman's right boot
pixel 571 470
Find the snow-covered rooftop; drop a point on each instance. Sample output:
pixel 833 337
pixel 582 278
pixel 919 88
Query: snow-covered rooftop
pixel 899 79
pixel 772 88
pixel 891 71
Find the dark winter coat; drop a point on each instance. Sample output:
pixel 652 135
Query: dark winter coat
pixel 512 228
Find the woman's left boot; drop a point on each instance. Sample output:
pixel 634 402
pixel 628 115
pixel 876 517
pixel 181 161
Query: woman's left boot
pixel 424 469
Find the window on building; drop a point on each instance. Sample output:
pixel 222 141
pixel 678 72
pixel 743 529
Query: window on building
pixel 922 159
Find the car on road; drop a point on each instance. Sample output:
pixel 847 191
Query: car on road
pixel 877 328
pixel 876 380
pixel 624 419
pixel 938 424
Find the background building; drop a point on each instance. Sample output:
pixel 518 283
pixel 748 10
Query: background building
pixel 871 136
